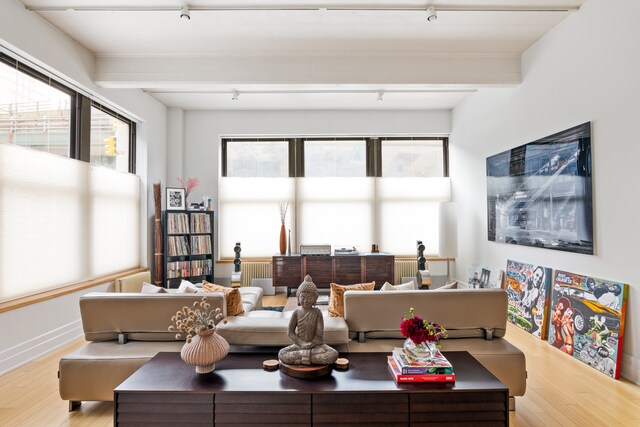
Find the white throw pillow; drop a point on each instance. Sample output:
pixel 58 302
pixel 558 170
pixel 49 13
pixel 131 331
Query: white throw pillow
pixel 148 288
pixel 409 286
pixel 452 285
pixel 186 287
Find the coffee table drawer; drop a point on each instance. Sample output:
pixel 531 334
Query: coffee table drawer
pixel 490 408
pixel 262 408
pixel 358 408
pixel 154 408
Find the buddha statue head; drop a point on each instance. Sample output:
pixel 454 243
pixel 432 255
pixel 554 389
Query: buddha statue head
pixel 307 292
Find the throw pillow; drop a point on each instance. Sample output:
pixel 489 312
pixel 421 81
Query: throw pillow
pixel 231 295
pixel 148 288
pixel 336 299
pixel 452 285
pixel 409 286
pixel 186 287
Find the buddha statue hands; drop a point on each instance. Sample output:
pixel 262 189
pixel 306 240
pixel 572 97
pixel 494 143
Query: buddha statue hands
pixel 306 330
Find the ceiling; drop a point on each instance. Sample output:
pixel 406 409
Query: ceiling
pixel 298 54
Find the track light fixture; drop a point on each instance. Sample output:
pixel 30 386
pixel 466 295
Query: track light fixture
pixel 380 93
pixel 235 95
pixel 184 13
pixel 432 15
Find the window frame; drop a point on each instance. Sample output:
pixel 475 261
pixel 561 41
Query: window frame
pixel 80 113
pixel 373 158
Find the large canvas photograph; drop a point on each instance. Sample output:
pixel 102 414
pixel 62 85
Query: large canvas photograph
pixel 587 320
pixel 540 194
pixel 528 289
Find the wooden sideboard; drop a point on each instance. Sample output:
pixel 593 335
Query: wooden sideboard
pixel 289 270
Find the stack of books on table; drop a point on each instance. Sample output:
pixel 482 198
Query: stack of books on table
pixel 406 370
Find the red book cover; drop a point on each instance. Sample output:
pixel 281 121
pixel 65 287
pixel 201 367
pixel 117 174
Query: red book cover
pixel 410 378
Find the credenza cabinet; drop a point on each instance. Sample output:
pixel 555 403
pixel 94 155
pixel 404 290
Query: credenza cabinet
pixel 290 270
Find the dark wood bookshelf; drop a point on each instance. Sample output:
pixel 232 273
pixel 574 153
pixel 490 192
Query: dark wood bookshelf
pixel 187 239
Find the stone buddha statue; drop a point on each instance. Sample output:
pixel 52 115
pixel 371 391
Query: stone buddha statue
pixel 306 330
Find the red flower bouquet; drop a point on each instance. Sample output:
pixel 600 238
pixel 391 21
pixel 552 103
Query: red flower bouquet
pixel 419 330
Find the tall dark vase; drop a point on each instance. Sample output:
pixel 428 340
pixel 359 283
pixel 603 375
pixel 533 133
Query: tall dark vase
pixel 283 240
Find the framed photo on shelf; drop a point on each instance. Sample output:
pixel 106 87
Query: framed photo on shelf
pixel 176 199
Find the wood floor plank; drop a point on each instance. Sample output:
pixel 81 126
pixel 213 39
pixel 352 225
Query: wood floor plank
pixel 561 391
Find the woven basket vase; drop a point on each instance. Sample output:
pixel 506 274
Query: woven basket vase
pixel 204 350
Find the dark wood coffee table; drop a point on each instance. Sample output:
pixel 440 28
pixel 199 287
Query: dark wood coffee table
pixel 239 391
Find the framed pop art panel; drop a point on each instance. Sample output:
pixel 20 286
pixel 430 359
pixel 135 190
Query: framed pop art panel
pixel 587 320
pixel 528 288
pixel 539 194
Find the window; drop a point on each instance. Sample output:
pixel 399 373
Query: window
pixel 342 191
pixel 110 140
pixel 33 112
pixel 59 212
pixel 256 158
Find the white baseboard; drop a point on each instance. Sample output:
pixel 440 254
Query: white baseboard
pixel 27 351
pixel 630 368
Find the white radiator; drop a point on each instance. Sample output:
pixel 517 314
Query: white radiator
pixel 405 268
pixel 255 270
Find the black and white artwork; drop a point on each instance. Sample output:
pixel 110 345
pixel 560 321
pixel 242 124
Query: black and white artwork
pixel 175 199
pixel 539 194
pixel 483 276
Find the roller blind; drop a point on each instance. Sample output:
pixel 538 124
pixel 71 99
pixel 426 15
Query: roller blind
pixel 63 221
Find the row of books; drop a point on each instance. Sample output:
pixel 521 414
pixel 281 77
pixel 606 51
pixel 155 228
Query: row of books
pixel 200 223
pixel 200 245
pixel 177 223
pixel 405 369
pixel 189 268
pixel 177 246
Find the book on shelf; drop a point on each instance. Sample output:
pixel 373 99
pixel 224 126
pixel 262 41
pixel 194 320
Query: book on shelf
pixel 399 377
pixel 438 365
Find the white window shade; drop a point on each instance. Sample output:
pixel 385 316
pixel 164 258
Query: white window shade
pixel 51 230
pixel 250 214
pixel 337 211
pixel 114 212
pixel 408 210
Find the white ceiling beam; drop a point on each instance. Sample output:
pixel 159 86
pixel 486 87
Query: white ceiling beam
pixel 430 70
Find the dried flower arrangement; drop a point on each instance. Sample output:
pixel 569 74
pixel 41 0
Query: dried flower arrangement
pixel 190 320
pixel 189 186
pixel 419 330
pixel 284 206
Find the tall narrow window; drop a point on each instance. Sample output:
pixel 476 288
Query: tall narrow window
pixel 109 141
pixel 256 181
pixel 33 113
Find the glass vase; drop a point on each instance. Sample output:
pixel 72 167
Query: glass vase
pixel 423 352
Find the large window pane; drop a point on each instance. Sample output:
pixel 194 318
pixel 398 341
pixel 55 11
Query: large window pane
pixel 257 159
pixel 109 141
pixel 412 158
pixel 344 158
pixel 337 211
pixel 32 113
pixel 63 221
pixel 250 214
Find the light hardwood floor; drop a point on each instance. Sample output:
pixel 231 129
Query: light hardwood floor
pixel 560 391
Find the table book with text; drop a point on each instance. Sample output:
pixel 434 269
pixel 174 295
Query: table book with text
pixel 399 377
pixel 438 365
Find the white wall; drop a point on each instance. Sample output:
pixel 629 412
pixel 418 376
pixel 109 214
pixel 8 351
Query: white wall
pixel 585 69
pixel 38 328
pixel 203 130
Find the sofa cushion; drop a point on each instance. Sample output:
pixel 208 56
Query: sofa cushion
pixel 232 296
pixel 336 299
pixel 270 328
pixel 148 288
pixel 409 286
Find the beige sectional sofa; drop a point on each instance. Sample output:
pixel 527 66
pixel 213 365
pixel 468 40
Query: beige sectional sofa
pixel 476 320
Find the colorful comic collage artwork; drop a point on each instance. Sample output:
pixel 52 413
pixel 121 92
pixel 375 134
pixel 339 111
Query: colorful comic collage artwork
pixel 528 289
pixel 587 320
